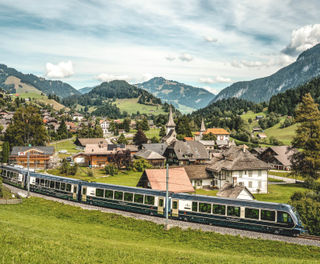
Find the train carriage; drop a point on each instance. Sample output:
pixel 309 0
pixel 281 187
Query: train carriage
pixel 132 199
pixel 14 176
pixel 251 215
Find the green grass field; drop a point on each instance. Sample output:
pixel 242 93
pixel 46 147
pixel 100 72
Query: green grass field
pixel 66 145
pixel 40 231
pixel 131 106
pixel 283 134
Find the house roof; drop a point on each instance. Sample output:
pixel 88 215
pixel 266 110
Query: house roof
pixel 178 180
pixel 196 172
pixel 160 148
pixel 149 155
pixel 230 191
pixel 84 141
pixel 170 137
pixel 262 135
pixel 188 138
pixel 237 158
pixel 190 150
pixel 258 150
pixel 96 149
pixel 283 154
pixel 132 148
pixel 207 142
pixel 42 149
pixel 215 131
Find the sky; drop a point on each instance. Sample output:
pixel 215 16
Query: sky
pixel 209 44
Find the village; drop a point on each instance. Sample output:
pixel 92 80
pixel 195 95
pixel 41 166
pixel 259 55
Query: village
pixel 196 165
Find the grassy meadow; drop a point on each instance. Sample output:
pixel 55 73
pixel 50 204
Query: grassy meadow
pixel 41 231
pixel 131 106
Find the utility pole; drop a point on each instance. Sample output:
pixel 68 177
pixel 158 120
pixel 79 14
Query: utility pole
pixel 28 174
pixel 167 196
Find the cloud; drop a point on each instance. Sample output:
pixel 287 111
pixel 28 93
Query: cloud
pixel 302 39
pixel 210 39
pixel 170 58
pixel 59 71
pixel 147 77
pixel 185 57
pixel 216 79
pixel 105 77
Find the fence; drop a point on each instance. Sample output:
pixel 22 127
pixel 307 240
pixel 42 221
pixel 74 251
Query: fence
pixel 10 201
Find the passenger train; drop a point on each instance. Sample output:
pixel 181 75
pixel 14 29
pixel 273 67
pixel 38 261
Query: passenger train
pixel 257 216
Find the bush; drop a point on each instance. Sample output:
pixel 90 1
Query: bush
pixel 1 188
pixel 141 164
pixel 89 173
pixel 111 169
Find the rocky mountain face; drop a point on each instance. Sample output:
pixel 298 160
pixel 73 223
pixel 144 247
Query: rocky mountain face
pixel 305 68
pixel 58 88
pixel 184 97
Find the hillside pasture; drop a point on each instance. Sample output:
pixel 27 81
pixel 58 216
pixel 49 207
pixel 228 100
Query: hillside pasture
pixel 131 106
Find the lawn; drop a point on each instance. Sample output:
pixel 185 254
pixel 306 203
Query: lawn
pixel 285 135
pixel 67 145
pixel 153 132
pixel 131 106
pixel 41 231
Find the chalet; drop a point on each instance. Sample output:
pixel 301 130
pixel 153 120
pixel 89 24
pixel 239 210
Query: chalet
pixel 160 148
pixel 77 117
pixel 257 151
pixel 133 149
pixel 235 192
pixel 186 152
pixel 105 124
pixel 82 142
pixel 262 136
pixel 238 166
pixel 155 159
pixel 279 157
pixel 209 145
pixel 199 176
pixel 156 179
pixel 39 157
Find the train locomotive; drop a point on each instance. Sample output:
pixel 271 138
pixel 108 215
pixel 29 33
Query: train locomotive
pixel 257 216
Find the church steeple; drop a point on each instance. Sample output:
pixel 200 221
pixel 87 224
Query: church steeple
pixel 170 125
pixel 203 128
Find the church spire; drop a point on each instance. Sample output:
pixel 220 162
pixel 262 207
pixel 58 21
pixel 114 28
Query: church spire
pixel 170 123
pixel 203 128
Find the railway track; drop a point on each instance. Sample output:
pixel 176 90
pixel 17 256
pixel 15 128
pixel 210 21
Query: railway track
pixel 306 240
pixel 310 237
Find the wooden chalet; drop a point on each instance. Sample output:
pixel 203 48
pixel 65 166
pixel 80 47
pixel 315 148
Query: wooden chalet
pixel 82 142
pixel 155 159
pixel 39 157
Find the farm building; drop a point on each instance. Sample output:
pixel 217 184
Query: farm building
pixel 39 157
pixel 82 142
pixel 235 192
pixel 199 176
pixel 155 159
pixel 156 179
pixel 238 166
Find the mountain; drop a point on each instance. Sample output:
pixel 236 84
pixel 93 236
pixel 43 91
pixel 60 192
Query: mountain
pixel 85 90
pixel 305 68
pixel 10 79
pixel 184 97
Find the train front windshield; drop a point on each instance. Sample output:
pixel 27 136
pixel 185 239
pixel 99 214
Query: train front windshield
pixel 297 215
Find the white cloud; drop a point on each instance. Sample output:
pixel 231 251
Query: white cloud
pixel 105 77
pixel 147 77
pixel 61 70
pixel 210 39
pixel 215 79
pixel 302 39
pixel 185 57
pixel 170 58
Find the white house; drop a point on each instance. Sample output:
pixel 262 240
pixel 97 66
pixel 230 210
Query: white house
pixel 238 166
pixel 105 127
pixel 77 117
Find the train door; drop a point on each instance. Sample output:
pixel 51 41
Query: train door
pixel 75 191
pixel 84 194
pixel 160 205
pixel 175 208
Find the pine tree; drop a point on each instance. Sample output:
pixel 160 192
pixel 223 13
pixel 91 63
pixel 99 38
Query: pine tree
pixel 5 152
pixel 140 138
pixel 126 124
pixel 122 139
pixel 162 132
pixel 307 161
pixel 145 125
pixel 62 130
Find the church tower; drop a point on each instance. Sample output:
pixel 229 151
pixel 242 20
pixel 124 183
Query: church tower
pixel 170 125
pixel 202 128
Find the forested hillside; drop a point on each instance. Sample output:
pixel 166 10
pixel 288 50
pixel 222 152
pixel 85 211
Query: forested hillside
pixel 58 88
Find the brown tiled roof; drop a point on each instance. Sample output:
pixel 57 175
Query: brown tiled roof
pixel 215 131
pixel 283 154
pixel 237 158
pixel 85 141
pixel 196 172
pixel 190 150
pixel 229 191
pixel 149 155
pixel 178 180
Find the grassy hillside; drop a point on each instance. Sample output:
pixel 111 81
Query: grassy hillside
pixel 40 231
pixel 131 106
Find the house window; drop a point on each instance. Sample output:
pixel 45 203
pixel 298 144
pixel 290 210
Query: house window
pixel 259 172
pixel 240 174
pixel 259 185
pixel 250 173
pixel 250 184
pixel 245 173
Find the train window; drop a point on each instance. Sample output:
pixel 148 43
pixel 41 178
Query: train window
pixel 149 200
pixel 37 181
pixel 68 188
pixel 118 195
pixel 57 185
pixel 284 217
pixel 268 215
pixel 75 188
pixel 47 183
pixel 63 186
pixel 138 198
pixel 219 209
pixel 42 182
pixel 128 197
pixel 174 205
pixel 99 192
pixel 205 208
pixel 194 206
pixel 252 213
pixel 233 211
pixel 84 190
pixel 51 184
pixel 108 194
pixel 161 202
